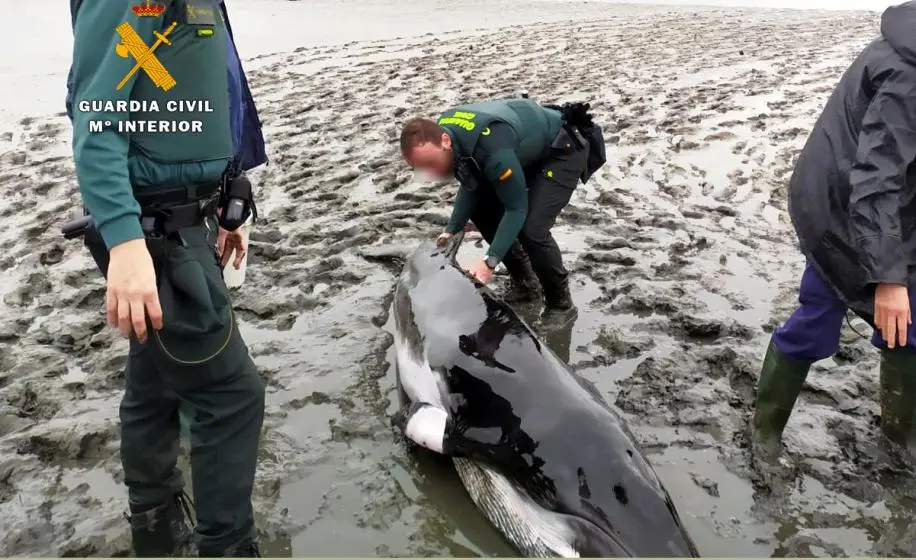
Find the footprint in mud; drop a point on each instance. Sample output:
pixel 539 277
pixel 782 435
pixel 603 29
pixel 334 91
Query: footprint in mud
pixel 68 448
pixel 33 286
pixel 28 404
pixel 697 329
pixel 613 344
pixel 52 255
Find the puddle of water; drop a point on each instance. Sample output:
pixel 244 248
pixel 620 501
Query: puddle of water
pixel 717 160
pixel 102 486
pixel 715 75
pixel 75 374
pixel 303 499
pixel 309 423
pixel 810 505
pixel 723 525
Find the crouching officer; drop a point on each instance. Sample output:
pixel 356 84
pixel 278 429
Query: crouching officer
pixel 517 164
pixel 153 195
pixel 852 199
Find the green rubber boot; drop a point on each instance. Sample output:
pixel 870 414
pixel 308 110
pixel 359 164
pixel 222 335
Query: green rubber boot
pixel 898 397
pixel 781 380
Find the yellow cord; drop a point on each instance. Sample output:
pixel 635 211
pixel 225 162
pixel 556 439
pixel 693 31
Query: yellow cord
pixel 208 358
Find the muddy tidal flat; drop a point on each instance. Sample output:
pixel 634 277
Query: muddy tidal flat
pixel 682 259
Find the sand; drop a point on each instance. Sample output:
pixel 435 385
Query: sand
pixel 682 257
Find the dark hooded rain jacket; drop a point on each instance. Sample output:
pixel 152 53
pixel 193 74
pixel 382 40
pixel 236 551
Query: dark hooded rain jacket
pixel 852 196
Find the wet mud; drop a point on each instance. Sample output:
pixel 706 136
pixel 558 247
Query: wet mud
pixel 682 261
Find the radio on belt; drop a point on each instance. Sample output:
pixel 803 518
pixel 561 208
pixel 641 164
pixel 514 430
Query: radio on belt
pixel 236 203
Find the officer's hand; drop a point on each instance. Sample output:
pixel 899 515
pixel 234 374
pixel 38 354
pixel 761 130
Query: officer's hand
pixel 132 293
pixel 443 238
pixel 481 271
pixel 229 241
pixel 892 313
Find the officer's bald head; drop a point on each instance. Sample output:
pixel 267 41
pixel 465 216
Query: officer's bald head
pixel 426 146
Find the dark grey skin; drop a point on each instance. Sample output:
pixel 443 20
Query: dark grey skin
pixel 513 405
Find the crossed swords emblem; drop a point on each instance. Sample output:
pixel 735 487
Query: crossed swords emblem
pixel 132 45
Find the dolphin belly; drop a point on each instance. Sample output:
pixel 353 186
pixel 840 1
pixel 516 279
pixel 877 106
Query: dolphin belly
pixel 418 381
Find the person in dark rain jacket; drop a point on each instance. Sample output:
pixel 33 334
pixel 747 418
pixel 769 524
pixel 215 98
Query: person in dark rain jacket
pixel 852 200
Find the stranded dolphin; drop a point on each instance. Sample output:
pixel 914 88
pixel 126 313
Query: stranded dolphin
pixel 546 459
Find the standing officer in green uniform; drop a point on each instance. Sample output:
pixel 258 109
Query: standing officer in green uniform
pixel 518 164
pixel 152 197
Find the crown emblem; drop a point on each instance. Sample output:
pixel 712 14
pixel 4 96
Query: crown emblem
pixel 148 10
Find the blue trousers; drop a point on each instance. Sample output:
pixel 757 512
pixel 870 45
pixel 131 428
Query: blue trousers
pixel 812 333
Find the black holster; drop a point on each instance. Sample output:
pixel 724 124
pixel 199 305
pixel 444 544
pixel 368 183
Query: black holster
pixel 163 214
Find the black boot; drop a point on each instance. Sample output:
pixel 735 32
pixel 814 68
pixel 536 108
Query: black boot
pixel 898 391
pixel 523 283
pixel 559 309
pixel 523 288
pixel 161 530
pixel 246 549
pixel 252 551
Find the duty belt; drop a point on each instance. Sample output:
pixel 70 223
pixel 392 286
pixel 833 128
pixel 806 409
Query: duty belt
pixel 166 211
pixel 163 197
pixel 163 212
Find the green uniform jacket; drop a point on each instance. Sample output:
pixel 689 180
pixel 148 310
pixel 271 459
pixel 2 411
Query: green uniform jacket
pixel 110 163
pixel 504 137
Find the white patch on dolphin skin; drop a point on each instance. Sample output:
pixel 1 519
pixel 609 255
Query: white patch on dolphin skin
pixel 426 427
pixel 419 381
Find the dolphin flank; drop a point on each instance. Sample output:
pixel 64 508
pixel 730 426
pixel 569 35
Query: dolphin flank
pixel 549 463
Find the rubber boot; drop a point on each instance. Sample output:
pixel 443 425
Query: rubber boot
pixel 246 549
pixel 781 380
pixel 559 309
pixel 251 551
pixel 898 397
pixel 161 530
pixel 523 284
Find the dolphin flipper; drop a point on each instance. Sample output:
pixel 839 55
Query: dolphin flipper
pixel 397 254
pixel 386 252
pixel 392 257
pixel 426 425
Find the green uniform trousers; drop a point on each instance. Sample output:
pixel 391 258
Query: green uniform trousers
pixel 224 401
